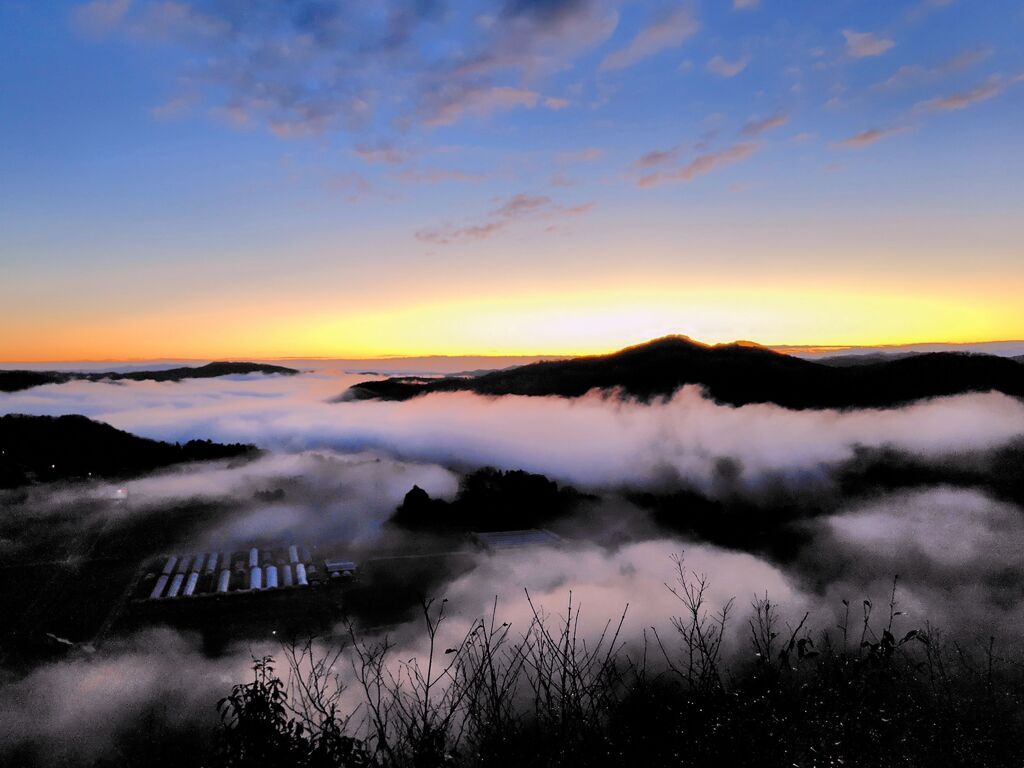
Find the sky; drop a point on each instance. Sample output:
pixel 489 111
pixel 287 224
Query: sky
pixel 219 178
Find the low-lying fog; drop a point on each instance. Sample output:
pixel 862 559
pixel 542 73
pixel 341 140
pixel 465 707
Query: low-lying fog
pixel 349 464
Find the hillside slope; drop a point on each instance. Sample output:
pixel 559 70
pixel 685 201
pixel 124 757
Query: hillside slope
pixel 47 448
pixel 14 381
pixel 735 374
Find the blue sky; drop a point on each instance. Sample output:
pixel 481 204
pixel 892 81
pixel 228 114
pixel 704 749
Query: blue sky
pixel 320 167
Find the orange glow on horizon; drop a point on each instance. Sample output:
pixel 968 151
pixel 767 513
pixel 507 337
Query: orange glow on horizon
pixel 553 324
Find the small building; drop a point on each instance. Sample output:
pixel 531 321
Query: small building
pixel 530 537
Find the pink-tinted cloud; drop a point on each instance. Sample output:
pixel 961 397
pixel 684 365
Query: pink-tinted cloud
pixel 757 127
pixel 593 441
pixel 925 7
pixel 436 176
pixel 352 186
pixel 725 68
pixel 861 45
pixel 701 165
pixel 662 34
pixel 585 155
pixel 909 74
pixel 963 99
pixel 174 107
pixel 869 137
pixel 451 106
pixel 381 153
pixel 538 39
pixel 657 157
pixel 515 209
pixel 100 17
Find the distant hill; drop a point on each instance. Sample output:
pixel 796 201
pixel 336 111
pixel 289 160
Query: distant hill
pixel 48 448
pixel 845 361
pixel 13 381
pixel 736 374
pixel 489 500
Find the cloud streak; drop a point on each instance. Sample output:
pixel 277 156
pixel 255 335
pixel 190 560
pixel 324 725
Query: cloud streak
pixel 962 100
pixel 304 68
pixel 723 67
pixel 909 74
pixel 451 105
pixel 664 33
pixel 700 165
pixel 862 45
pixel 869 137
pixel 520 208
pixel 757 127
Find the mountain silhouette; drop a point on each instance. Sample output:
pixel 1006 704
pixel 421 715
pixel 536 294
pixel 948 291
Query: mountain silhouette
pixel 736 374
pixel 47 448
pixel 13 381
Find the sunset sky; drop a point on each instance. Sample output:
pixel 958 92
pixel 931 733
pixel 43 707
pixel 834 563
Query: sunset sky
pixel 232 178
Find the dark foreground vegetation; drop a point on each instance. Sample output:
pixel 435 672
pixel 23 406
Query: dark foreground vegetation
pixel 49 448
pixel 14 381
pixel 735 374
pixel 869 692
pixel 489 500
pixel 863 695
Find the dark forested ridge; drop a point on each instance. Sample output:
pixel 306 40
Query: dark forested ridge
pixel 47 448
pixel 489 500
pixel 13 381
pixel 736 374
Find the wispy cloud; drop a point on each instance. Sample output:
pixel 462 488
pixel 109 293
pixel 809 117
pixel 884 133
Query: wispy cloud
pixel 512 210
pixel 664 33
pixel 100 17
pixel 537 37
pixel 520 204
pixel 436 176
pixel 700 165
pixel 380 153
pixel 869 137
pixel 861 45
pixel 925 7
pixel 351 186
pixel 585 155
pixel 174 107
pixel 757 127
pixel 726 68
pixel 450 106
pixel 657 157
pixel 962 100
pixel 745 5
pixel 908 74
pixel 305 68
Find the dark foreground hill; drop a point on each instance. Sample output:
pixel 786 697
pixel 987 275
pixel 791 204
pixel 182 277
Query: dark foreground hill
pixel 736 374
pixel 13 381
pixel 47 448
pixel 489 500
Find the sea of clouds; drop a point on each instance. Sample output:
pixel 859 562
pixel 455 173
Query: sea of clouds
pixel 599 441
pixel 347 465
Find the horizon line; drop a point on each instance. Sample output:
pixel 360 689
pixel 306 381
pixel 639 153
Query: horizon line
pixel 809 348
